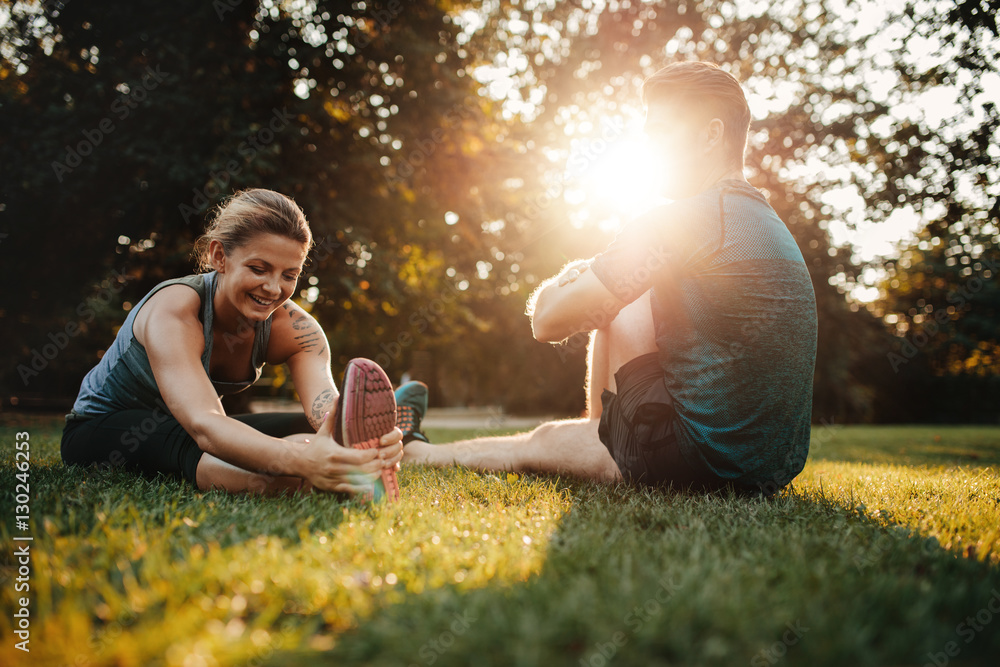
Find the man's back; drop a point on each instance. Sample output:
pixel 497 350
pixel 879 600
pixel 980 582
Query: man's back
pixel 735 319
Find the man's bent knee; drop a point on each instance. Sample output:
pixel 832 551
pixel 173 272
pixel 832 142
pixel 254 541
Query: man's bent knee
pixel 541 432
pixel 558 429
pixel 571 446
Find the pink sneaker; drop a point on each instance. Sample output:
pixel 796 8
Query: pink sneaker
pixel 365 412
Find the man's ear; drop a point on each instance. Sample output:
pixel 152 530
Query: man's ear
pixel 715 135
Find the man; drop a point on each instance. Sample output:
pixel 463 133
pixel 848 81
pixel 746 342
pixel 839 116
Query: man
pixel 704 318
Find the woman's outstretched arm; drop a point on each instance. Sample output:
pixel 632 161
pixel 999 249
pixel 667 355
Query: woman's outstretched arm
pixel 174 343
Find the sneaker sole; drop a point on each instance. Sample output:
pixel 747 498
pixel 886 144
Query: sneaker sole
pixel 369 412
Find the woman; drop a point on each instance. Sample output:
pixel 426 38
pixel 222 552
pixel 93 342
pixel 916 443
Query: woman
pixel 152 402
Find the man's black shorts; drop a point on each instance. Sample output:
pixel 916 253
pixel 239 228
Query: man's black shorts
pixel 639 428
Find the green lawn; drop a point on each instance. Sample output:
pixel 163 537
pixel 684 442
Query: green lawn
pixel 886 552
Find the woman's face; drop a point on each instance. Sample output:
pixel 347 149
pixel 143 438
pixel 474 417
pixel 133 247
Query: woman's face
pixel 260 275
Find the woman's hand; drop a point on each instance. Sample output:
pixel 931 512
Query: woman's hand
pixel 328 466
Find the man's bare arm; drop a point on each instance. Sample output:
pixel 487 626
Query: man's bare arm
pixel 573 301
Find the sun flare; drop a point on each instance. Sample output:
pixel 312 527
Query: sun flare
pixel 615 175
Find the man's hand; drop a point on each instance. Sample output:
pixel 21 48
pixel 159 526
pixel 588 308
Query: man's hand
pixel 573 271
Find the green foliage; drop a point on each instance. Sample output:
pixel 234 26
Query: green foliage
pixel 944 300
pixel 833 132
pixel 304 101
pixel 385 136
pixel 886 545
pixel 941 298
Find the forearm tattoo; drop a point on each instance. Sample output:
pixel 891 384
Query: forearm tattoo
pixel 320 406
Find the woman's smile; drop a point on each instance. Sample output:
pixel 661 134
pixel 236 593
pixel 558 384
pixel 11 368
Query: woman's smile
pixel 262 302
pixel 259 276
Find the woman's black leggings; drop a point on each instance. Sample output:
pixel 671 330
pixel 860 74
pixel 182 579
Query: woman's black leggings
pixel 151 442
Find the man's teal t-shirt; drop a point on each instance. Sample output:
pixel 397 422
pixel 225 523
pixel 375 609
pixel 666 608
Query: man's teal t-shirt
pixel 735 319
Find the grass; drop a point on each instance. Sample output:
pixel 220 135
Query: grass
pixel 886 551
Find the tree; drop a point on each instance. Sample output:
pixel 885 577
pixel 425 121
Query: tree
pixel 124 125
pixel 940 299
pixel 845 117
pixel 440 199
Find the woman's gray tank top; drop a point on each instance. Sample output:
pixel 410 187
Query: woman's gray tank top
pixel 123 379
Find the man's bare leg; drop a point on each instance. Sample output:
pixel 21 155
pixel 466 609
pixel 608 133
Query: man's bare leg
pixel 630 335
pixel 597 372
pixel 571 446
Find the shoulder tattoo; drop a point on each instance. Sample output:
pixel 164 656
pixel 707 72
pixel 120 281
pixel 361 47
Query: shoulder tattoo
pixel 310 335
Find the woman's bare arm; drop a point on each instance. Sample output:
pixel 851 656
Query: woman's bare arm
pixel 298 340
pixel 174 344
